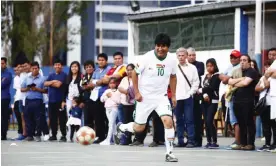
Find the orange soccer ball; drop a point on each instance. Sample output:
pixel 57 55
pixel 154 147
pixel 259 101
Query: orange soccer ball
pixel 85 135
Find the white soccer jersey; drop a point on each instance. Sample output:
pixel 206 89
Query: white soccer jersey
pixel 154 76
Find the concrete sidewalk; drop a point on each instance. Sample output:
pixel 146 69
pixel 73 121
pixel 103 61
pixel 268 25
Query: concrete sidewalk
pixel 73 154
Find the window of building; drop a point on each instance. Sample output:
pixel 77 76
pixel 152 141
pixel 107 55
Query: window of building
pixel 148 3
pixel 203 33
pixel 111 17
pixel 113 34
pixel 173 3
pixel 111 50
pixel 117 3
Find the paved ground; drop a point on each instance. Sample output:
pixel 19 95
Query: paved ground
pixel 73 154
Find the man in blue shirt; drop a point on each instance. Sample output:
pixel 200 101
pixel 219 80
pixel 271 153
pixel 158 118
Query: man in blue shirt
pixel 33 85
pixel 56 104
pixel 99 88
pixel 6 79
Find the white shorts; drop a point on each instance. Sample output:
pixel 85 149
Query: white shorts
pixel 272 107
pixel 143 110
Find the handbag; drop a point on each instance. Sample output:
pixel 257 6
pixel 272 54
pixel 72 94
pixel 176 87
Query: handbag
pixel 130 97
pixel 260 106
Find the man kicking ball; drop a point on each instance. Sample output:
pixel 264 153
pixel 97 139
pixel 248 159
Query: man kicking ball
pixel 156 70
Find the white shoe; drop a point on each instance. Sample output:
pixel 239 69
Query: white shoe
pixel 105 142
pixel 46 137
pixel 263 139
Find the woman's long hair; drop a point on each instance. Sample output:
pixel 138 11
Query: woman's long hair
pixel 70 75
pixel 256 66
pixel 214 63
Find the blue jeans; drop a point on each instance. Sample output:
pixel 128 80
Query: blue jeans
pixel 185 116
pixel 120 113
pixel 233 118
pixel 259 131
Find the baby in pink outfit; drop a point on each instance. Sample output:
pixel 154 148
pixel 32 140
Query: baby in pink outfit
pixel 111 97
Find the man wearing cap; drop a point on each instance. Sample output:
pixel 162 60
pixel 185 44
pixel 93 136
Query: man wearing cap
pixel 235 64
pixel 196 98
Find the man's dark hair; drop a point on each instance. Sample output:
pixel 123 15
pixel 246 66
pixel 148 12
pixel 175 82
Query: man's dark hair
pixel 118 53
pixel 268 62
pixel 27 61
pixel 89 62
pixel 102 55
pixel 248 57
pixel 57 60
pixel 35 63
pixel 4 59
pixel 163 38
pixel 271 49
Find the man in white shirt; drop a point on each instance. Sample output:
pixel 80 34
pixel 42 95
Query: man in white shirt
pixel 187 85
pixel 271 72
pixel 17 101
pixel 156 71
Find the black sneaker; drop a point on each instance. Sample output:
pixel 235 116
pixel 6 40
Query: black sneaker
pixel 189 145
pixel 272 148
pixel 171 158
pixel 181 145
pixel 207 145
pixel 136 143
pixel 63 139
pixel 29 139
pixel 153 144
pixel 214 146
pixel 53 138
pixel 38 139
pixel 264 148
pixel 71 139
pixel 3 138
pixel 198 145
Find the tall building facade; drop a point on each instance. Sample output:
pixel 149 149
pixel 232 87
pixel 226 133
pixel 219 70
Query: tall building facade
pixel 114 27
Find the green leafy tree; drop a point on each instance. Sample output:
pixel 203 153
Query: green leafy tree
pixel 26 26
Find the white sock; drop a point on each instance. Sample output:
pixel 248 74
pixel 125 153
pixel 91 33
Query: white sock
pixel 127 127
pixel 169 137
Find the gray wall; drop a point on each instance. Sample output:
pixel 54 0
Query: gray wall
pixel 269 33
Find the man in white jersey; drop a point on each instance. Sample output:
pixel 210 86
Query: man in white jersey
pixel 156 70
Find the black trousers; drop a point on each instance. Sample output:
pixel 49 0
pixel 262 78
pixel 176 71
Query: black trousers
pixel 32 116
pixel 128 117
pixel 209 113
pixel 101 121
pixel 18 116
pixel 158 134
pixel 245 114
pixel 198 122
pixel 5 114
pixel 269 127
pixel 74 128
pixel 56 115
pixel 88 113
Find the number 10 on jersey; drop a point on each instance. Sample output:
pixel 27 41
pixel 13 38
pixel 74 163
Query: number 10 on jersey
pixel 160 71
